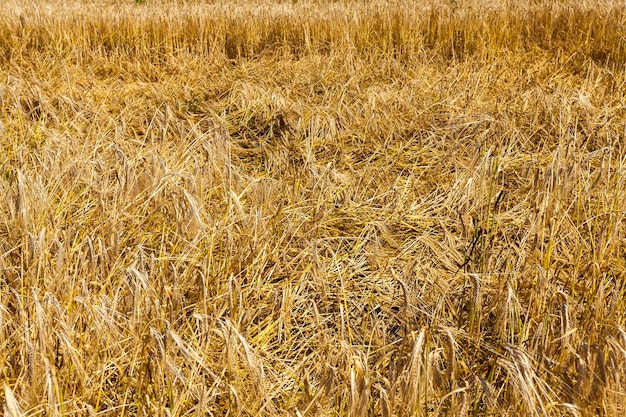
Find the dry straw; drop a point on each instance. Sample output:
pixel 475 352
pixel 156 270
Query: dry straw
pixel 312 208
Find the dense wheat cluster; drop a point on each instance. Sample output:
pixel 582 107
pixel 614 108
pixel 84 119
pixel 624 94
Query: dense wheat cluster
pixel 312 208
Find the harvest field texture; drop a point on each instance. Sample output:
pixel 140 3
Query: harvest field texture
pixel 311 208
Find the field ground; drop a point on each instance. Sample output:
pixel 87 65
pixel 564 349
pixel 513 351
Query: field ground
pixel 313 208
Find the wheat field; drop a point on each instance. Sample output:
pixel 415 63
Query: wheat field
pixel 313 208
